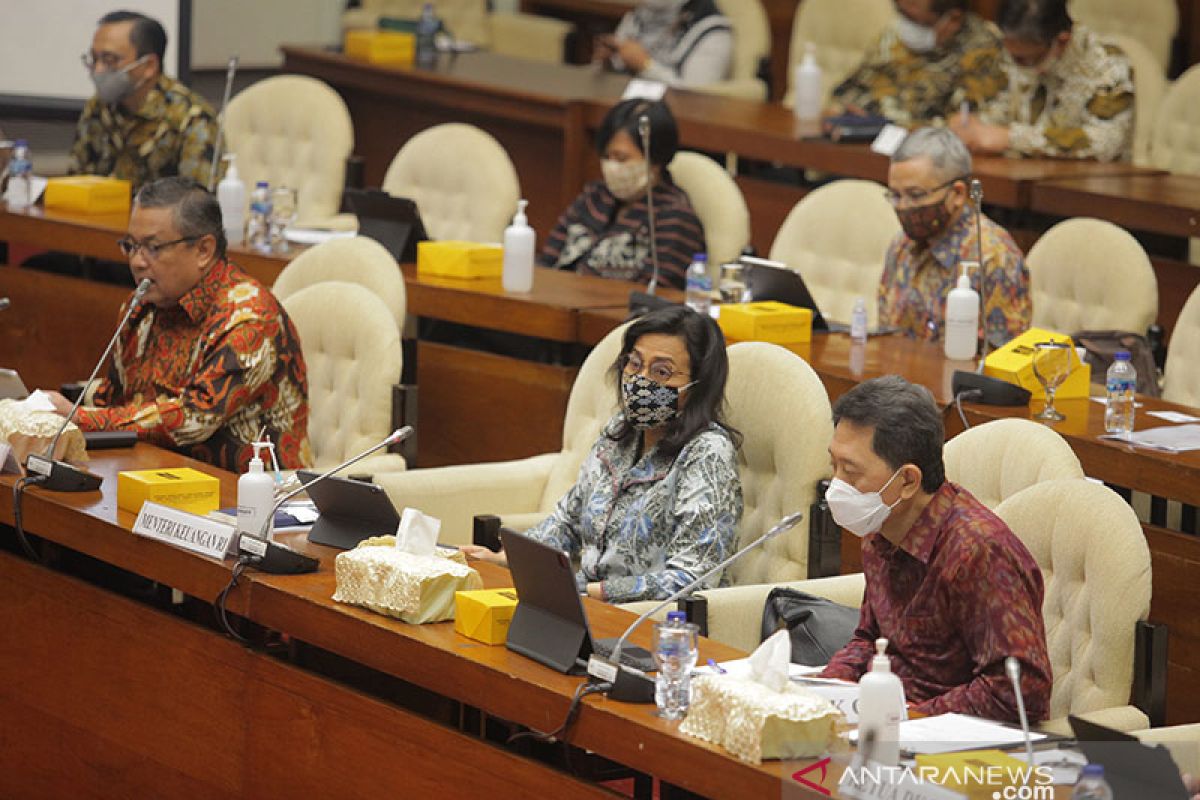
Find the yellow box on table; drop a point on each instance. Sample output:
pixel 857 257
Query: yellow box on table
pixel 1013 363
pixel 485 615
pixel 380 47
pixel 452 259
pixel 179 487
pixel 766 321
pixel 977 774
pixel 88 194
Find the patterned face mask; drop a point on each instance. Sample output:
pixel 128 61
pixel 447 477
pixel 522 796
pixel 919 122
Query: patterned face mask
pixel 625 179
pixel 922 223
pixel 649 404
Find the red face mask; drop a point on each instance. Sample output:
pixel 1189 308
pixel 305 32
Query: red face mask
pixel 922 223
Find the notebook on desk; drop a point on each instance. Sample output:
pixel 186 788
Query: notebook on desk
pixel 550 625
pixel 350 511
pixel 1133 769
pixel 394 222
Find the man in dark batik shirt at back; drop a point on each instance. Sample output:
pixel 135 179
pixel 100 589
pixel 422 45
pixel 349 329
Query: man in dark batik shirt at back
pixel 950 587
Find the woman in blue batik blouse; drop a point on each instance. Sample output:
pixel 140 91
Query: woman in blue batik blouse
pixel 658 499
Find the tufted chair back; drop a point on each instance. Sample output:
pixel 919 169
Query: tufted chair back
pixel 1181 377
pixel 842 30
pixel 352 350
pixel 461 179
pixel 777 402
pixel 1149 88
pixel 1096 566
pixel 996 460
pixel 1088 274
pixel 1175 145
pixel 751 36
pixel 718 203
pixel 293 130
pixel 837 238
pixel 1153 23
pixel 354 260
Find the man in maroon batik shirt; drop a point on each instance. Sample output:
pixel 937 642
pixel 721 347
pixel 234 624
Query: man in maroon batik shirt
pixel 948 584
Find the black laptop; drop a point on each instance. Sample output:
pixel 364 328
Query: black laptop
pixel 350 511
pixel 771 280
pixel 394 222
pixel 1134 770
pixel 550 625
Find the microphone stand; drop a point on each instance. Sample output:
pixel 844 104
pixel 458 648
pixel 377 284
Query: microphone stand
pixel 229 73
pixel 630 685
pixel 59 476
pixel 641 302
pixel 1012 667
pixel 275 557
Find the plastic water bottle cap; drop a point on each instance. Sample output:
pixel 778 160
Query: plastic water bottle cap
pixel 676 616
pixel 261 185
pixel 1092 771
pixel 1121 355
pixel 700 257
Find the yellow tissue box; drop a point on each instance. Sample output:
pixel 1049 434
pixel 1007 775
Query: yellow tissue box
pixel 183 488
pixel 767 321
pixel 88 194
pixel 380 47
pixel 485 615
pixel 452 259
pixel 978 774
pixel 1013 363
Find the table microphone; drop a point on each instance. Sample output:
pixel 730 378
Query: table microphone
pixel 59 476
pixel 5 303
pixel 279 559
pixel 1012 667
pixel 634 686
pixel 984 388
pixel 229 73
pixel 641 302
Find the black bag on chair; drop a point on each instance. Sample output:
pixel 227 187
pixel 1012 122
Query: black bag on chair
pixel 818 627
pixel 1102 347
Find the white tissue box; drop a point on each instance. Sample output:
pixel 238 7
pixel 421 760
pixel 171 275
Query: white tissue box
pixel 415 589
pixel 755 723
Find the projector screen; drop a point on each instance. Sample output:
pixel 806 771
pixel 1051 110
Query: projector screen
pixel 41 41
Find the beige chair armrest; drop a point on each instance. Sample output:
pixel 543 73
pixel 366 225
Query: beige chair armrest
pixel 1121 718
pixel 745 88
pixel 456 494
pixel 1182 740
pixel 522 521
pixel 529 36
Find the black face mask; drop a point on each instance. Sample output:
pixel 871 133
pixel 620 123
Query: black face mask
pixel 649 404
pixel 922 223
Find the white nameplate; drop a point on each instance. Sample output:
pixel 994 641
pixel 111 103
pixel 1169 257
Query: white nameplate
pixel 642 89
pixel 182 529
pixel 875 782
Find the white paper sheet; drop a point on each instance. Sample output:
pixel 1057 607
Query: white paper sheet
pixel 949 733
pixel 1173 416
pixel 1169 438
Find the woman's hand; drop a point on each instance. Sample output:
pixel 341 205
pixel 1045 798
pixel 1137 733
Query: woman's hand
pixel 633 54
pixel 479 553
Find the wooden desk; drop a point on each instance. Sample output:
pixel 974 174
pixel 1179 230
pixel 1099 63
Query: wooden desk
pixel 1162 203
pixel 141 682
pixel 526 106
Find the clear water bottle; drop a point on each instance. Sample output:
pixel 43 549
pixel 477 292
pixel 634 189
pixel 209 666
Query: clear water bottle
pixel 1091 784
pixel 20 171
pixel 675 654
pixel 858 321
pixel 1121 384
pixel 699 284
pixel 258 226
pixel 428 27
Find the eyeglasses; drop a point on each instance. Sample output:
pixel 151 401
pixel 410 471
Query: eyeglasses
pixel 110 61
pixel 660 371
pixel 130 246
pixel 917 196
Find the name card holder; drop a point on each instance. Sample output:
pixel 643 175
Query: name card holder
pixel 184 530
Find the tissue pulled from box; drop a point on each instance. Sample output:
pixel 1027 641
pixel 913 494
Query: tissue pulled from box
pixel 416 589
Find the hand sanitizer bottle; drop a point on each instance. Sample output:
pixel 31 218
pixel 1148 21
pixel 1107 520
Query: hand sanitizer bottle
pixel 519 240
pixel 962 318
pixel 231 196
pixel 881 708
pixel 808 86
pixel 256 496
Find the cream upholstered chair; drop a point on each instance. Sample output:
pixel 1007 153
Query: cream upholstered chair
pixel 521 492
pixel 718 203
pixel 1154 23
pixel 837 238
pixel 1174 143
pixel 1088 274
pixel 354 260
pixel 751 44
pixel 1182 740
pixel 842 30
pixel 352 350
pixel 294 130
pixel 461 179
pixel 1181 376
pixel 524 35
pixel 1096 566
pixel 997 459
pixel 1150 86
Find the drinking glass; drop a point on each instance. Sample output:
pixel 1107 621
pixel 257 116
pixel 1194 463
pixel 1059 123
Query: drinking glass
pixel 283 214
pixel 733 283
pixel 1051 366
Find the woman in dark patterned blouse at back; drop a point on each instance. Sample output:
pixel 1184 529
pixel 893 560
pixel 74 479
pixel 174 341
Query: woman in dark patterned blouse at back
pixel 606 230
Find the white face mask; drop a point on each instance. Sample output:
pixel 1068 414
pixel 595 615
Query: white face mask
pixel 915 36
pixel 858 512
pixel 625 179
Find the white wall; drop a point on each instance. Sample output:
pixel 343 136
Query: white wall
pixel 253 30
